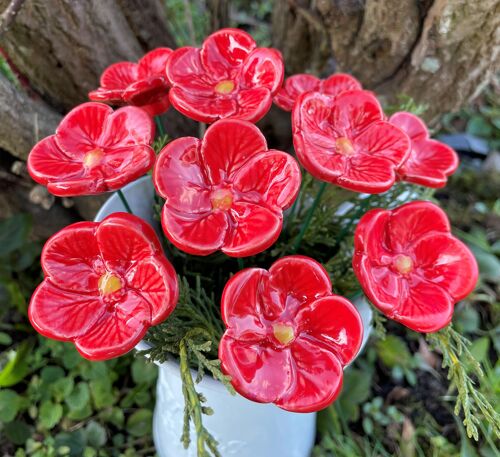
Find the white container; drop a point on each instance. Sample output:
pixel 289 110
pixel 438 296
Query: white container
pixel 242 428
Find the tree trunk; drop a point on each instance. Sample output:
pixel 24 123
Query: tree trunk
pixel 439 52
pixel 62 46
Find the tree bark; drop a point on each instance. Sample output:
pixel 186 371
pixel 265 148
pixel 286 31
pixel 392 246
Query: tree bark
pixel 24 120
pixel 439 52
pixel 62 46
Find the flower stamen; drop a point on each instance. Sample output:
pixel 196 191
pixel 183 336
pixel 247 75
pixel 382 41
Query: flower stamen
pixel 221 199
pixel 109 284
pixel 283 333
pixel 344 146
pixel 92 158
pixel 224 87
pixel 403 264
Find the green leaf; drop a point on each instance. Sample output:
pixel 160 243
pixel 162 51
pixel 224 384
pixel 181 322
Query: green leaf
pixel 14 232
pixel 466 319
pixel 479 348
pixel 102 393
pixel 51 373
pixel 79 397
pixel 96 434
pixel 489 265
pixel 80 414
pixel 5 339
pixel 18 367
pixel 114 416
pixel 75 441
pixel 17 432
pixel 356 389
pixel 62 388
pixel 140 422
pixel 479 126
pixel 393 352
pixel 10 404
pixel 144 371
pixel 50 414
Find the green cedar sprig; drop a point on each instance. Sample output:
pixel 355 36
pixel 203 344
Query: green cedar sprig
pixel 462 366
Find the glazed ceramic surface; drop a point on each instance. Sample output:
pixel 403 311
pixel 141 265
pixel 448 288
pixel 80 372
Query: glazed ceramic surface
pixel 243 428
pixel 228 77
pixel 105 284
pixel 430 162
pixel 226 192
pixel 288 337
pixel 296 85
pixel 141 84
pixel 345 140
pixel 94 150
pixel 411 267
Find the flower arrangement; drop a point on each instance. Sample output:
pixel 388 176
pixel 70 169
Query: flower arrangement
pixel 235 214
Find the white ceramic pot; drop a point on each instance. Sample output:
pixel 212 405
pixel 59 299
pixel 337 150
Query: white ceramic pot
pixel 242 428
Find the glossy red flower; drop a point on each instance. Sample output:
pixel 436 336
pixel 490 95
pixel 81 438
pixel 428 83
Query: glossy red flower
pixel 288 337
pixel 141 84
pixel 346 141
pixel 430 162
pixel 411 267
pixel 105 284
pixel 94 150
pixel 225 192
pixel 228 77
pixel 296 85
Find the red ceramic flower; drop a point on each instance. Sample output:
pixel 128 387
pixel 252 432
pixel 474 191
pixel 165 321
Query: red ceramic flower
pixel 225 192
pixel 411 267
pixel 141 84
pixel 345 140
pixel 228 77
pixel 105 284
pixel 94 150
pixel 297 85
pixel 288 337
pixel 430 162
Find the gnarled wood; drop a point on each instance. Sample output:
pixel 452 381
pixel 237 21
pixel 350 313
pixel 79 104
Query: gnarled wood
pixel 439 52
pixel 63 46
pixel 24 121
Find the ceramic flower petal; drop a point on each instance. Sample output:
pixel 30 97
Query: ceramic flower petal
pixel 299 84
pixel 254 229
pixel 117 332
pixel 226 192
pixel 141 84
pixel 293 87
pixel 338 83
pixel 179 177
pixel 410 265
pixel 197 234
pixel 105 284
pixel 345 140
pixel 229 77
pixel 287 342
pixel 257 377
pixel 317 378
pixel 94 150
pixel 430 162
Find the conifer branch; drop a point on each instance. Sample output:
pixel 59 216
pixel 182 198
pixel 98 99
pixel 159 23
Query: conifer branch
pixel 461 366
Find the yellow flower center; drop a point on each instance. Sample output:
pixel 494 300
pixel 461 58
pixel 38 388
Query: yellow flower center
pixel 92 158
pixel 403 264
pixel 224 87
pixel 344 146
pixel 283 333
pixel 221 199
pixel 109 284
